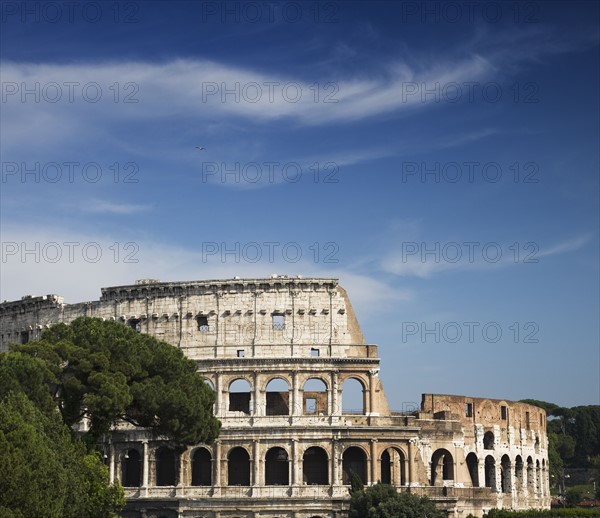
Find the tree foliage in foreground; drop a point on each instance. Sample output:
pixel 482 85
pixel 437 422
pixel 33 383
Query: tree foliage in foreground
pixel 101 371
pixel 105 371
pixel 383 501
pixel 46 473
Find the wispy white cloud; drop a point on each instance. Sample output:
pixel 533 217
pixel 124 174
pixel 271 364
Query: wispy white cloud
pixel 566 246
pixel 108 207
pixel 422 259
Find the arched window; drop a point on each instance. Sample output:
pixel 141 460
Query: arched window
pixel 201 468
pixel 488 441
pixel 519 473
pixel 505 469
pixel 315 466
pixel 314 397
pixel 393 469
pixel 131 469
pixel 278 397
pixel 473 465
pixel 442 467
pixel 239 396
pixel 166 467
pixel 530 476
pixel 277 472
pixel 490 472
pixel 238 467
pixel 354 460
pixel 353 397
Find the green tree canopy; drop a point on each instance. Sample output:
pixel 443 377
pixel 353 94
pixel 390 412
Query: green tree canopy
pixel 46 473
pixel 105 372
pixel 383 501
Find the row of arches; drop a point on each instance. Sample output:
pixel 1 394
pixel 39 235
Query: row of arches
pixel 521 474
pixel 314 399
pixel 277 467
pixel 239 468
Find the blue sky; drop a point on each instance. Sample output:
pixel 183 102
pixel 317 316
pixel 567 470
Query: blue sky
pixel 440 158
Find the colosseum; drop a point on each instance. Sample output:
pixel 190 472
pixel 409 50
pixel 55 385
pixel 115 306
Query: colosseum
pixel 280 353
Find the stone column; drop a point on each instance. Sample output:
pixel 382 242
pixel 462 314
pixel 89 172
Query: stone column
pixel 296 402
pixel 374 461
pixel 411 467
pixel 335 475
pixel 481 471
pixel 111 463
pixel 217 464
pixel 512 480
pixel 219 402
pixel 498 477
pixel 146 467
pixel 367 400
pixel 259 409
pixel 372 398
pixel 294 465
pixel 256 479
pixel 335 393
pixel 183 471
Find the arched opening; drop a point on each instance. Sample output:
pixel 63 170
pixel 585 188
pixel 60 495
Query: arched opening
pixel 490 472
pixel 239 396
pixel 442 467
pixel 488 441
pixel 238 467
pixel 131 469
pixel 166 467
pixel 393 470
pixel 530 476
pixel 201 468
pixel 315 466
pixel 314 397
pixel 519 472
pixel 538 474
pixel 278 397
pixel 537 444
pixel 354 460
pixel 353 397
pixel 473 466
pixel 277 472
pixel 505 472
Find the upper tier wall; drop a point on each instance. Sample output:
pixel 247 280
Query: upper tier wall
pixel 212 319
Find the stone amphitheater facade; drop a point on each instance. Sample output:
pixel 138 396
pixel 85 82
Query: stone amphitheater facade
pixel 280 352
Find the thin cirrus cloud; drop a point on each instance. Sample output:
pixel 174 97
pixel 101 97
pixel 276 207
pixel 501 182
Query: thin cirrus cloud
pixel 108 207
pixel 198 88
pixel 426 259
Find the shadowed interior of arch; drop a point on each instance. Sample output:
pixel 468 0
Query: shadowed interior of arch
pixel 315 467
pixel 131 469
pixel 239 396
pixel 238 467
pixel 278 397
pixel 201 468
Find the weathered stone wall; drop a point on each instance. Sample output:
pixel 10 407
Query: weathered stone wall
pixel 280 317
pixel 288 452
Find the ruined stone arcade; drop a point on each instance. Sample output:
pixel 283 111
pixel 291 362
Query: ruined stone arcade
pixel 282 354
